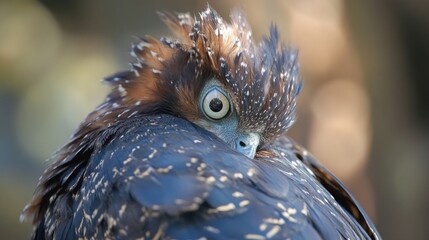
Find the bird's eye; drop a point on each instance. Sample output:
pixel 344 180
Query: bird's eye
pixel 216 104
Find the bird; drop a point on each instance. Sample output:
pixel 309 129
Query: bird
pixel 191 144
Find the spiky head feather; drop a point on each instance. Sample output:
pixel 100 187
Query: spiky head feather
pixel 170 73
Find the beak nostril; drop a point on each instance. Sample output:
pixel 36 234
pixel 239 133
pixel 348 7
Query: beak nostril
pixel 247 144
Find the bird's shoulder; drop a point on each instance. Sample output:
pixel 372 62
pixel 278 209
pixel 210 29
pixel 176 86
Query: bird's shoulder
pixel 332 184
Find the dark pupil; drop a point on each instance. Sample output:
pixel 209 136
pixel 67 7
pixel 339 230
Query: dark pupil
pixel 216 105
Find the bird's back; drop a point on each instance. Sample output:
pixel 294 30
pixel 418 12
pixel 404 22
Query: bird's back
pixel 163 177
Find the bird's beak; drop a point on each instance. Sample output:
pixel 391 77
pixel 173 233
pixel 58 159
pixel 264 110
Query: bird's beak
pixel 247 143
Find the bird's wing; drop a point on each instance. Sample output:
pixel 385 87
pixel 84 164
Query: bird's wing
pixel 163 177
pixel 333 185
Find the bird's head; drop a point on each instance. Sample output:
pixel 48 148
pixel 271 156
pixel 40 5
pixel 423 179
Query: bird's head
pixel 213 75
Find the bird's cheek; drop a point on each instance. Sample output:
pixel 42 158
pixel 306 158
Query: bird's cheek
pixel 204 124
pixel 211 127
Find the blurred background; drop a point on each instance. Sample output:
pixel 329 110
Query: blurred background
pixel 364 111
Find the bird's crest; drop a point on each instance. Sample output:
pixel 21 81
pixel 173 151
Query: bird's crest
pixel 170 73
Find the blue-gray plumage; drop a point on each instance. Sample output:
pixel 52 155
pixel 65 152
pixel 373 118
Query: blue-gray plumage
pixel 190 144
